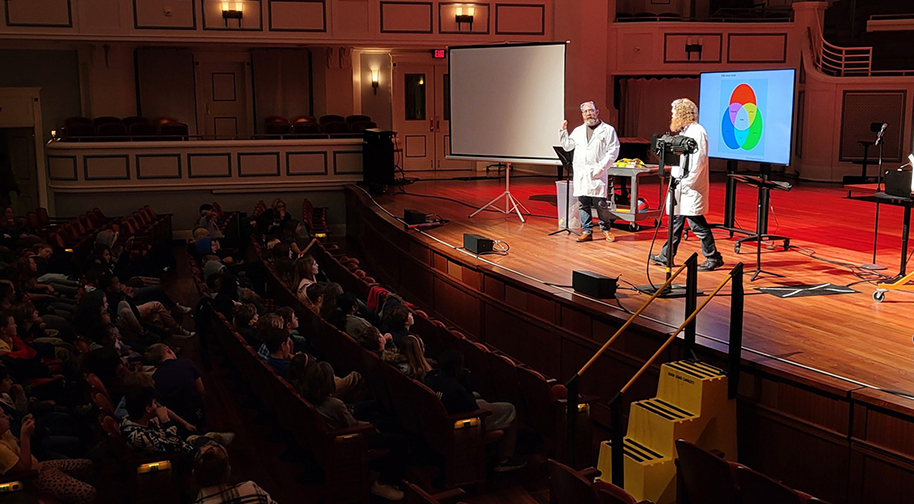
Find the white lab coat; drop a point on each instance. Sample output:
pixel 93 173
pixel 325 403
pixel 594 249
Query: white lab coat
pixel 692 191
pixel 591 159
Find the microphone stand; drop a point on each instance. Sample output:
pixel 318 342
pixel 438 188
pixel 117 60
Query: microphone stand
pixel 874 266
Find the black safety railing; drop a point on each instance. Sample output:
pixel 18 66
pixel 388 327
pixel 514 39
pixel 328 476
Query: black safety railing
pixel 692 309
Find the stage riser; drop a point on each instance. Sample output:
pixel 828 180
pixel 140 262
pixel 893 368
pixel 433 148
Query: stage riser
pixel 794 426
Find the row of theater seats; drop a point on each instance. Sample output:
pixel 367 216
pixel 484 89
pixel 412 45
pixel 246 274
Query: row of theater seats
pixel 308 126
pixel 704 477
pixel 134 128
pixel 144 228
pixel 539 401
pixel 313 218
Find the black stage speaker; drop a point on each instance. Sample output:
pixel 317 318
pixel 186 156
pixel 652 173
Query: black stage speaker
pixel 477 244
pixel 414 217
pixel 378 157
pixel 593 284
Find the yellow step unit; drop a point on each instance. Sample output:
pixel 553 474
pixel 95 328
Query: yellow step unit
pixel 691 404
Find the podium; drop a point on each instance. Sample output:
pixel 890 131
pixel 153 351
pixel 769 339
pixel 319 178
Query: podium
pixel 761 217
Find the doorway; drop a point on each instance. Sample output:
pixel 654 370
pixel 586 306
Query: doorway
pixel 421 117
pixel 223 85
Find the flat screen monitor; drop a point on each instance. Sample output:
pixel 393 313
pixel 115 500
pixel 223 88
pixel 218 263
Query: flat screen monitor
pixel 507 101
pixel 748 115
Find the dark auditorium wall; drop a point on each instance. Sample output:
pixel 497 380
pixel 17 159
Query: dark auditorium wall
pixel 282 84
pixel 55 72
pixel 166 84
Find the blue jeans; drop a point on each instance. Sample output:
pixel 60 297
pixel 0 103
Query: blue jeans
pixel 603 207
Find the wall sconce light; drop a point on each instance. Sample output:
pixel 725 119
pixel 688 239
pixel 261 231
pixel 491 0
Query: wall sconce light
pixel 464 18
pixel 232 10
pixel 54 134
pixel 693 48
pixel 375 76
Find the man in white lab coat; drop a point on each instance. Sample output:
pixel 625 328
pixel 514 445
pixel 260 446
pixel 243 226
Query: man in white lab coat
pixel 692 192
pixel 596 148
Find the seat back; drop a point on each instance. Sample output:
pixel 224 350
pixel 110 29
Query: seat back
pixel 567 486
pixel 474 355
pixel 98 121
pixel 97 386
pixel 756 488
pixel 173 129
pixel 706 478
pixel 277 128
pixel 306 128
pixel 540 400
pixel 357 118
pixel 324 119
pixel 103 403
pixel 607 493
pixel 507 387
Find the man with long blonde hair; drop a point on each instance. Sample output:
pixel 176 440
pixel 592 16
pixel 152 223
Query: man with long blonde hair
pixel 692 192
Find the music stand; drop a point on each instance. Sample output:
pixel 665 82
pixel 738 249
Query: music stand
pixel 764 198
pixel 763 184
pixel 511 204
pixel 567 158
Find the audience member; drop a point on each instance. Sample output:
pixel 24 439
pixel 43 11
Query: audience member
pixel 179 383
pixel 320 390
pixel 454 387
pixel 212 473
pixel 55 477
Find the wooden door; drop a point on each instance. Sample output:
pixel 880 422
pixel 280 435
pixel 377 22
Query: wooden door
pixel 442 123
pixel 223 95
pixel 414 115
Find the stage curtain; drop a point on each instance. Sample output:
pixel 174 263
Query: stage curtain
pixel 645 103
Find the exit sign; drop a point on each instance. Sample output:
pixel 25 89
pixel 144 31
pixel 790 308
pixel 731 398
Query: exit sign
pixel 439 53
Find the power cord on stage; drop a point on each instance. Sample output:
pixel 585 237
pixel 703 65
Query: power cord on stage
pixel 502 247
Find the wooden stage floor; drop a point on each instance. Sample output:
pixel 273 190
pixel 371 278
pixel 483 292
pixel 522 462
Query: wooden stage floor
pixel 848 339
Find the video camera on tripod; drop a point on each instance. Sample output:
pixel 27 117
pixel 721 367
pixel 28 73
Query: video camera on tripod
pixel 675 144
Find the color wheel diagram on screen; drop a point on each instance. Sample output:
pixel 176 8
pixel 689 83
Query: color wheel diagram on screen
pixel 748 115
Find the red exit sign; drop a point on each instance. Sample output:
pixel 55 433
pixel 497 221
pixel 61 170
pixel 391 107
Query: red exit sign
pixel 439 53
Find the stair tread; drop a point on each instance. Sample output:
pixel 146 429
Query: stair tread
pixel 641 453
pixel 663 408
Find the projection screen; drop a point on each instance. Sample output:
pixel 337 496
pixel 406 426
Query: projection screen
pixel 507 102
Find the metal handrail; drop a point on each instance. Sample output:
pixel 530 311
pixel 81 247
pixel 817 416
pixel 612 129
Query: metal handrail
pixel 572 384
pixel 735 277
pixel 838 61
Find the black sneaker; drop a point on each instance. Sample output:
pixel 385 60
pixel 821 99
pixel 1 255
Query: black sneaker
pixel 658 259
pixel 711 264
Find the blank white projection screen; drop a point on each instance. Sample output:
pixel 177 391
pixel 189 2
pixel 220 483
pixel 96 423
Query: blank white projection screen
pixel 507 102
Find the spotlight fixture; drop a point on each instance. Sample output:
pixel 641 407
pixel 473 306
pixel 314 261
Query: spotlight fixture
pixel 375 76
pixel 232 10
pixel 464 18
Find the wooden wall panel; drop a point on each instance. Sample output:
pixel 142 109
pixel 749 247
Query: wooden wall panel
pixel 759 48
pixel 519 19
pixel 39 13
pixel 522 337
pixel 164 14
pixel 306 163
pixel 351 17
pixel 298 16
pixel 799 455
pixel 458 306
pixel 108 167
pixel 158 166
pixel 406 17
